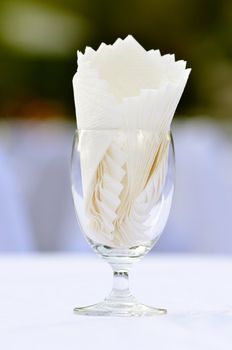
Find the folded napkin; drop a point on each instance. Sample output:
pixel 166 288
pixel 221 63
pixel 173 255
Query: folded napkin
pixel 125 99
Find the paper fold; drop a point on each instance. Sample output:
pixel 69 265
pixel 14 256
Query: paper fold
pixel 125 99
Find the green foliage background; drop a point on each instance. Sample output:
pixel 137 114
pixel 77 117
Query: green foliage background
pixel 37 83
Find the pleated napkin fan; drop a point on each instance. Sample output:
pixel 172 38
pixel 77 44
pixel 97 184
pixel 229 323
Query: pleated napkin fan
pixel 124 87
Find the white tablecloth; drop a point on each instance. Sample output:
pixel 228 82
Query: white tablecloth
pixel 38 293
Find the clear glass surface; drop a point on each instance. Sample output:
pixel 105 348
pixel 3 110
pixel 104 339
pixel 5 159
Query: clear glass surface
pixel 122 185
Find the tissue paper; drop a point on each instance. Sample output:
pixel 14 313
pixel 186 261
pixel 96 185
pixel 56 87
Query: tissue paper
pixel 125 99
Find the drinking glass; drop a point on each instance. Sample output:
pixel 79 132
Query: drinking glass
pixel 122 186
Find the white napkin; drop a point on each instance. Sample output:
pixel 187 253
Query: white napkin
pixel 124 87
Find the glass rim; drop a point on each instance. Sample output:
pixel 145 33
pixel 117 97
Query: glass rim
pixel 119 129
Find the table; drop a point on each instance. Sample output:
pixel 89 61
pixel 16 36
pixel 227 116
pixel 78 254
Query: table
pixel 38 293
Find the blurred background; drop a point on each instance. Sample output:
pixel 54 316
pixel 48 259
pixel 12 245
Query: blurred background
pixel 38 44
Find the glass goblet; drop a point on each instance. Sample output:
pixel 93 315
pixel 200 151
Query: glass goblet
pixel 122 186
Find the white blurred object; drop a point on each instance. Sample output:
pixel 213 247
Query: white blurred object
pixel 200 219
pixel 36 210
pixel 15 232
pixel 42 160
pixel 40 156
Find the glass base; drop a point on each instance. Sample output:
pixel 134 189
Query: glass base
pixel 125 308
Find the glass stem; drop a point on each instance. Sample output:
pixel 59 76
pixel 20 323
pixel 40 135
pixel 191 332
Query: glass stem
pixel 120 291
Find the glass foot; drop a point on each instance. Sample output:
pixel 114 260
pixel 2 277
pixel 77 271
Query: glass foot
pixel 126 309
